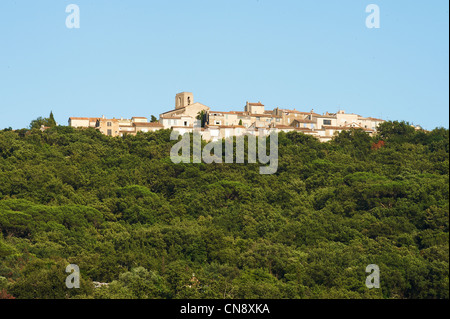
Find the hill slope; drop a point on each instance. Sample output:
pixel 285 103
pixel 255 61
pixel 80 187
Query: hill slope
pixel 126 215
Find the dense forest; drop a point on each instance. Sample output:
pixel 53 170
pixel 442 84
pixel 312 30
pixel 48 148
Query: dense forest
pixel 129 217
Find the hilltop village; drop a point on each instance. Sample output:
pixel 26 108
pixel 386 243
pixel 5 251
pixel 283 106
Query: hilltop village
pixel 218 124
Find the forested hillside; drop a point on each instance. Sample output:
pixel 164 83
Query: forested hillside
pixel 128 216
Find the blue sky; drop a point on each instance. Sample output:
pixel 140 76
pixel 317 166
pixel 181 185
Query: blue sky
pixel 130 58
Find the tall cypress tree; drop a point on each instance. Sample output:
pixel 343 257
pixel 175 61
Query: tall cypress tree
pixel 51 120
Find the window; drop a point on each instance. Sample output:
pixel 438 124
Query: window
pixel 326 122
pixel 109 133
pixel 109 124
pixel 216 122
pixel 185 123
pixel 189 100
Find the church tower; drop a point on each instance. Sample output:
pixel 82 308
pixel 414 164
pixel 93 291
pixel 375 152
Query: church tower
pixel 183 99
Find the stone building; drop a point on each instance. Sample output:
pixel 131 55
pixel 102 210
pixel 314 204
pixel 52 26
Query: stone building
pixel 223 124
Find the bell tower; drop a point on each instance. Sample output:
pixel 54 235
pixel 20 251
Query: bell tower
pixel 183 99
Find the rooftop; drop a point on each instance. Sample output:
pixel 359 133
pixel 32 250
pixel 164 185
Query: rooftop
pixel 148 124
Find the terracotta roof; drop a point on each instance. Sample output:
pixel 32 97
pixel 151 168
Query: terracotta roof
pixel 298 112
pixel 238 112
pixel 179 109
pixel 284 127
pixel 221 112
pixel 108 120
pixel 303 121
pixel 148 124
pixel 173 117
pixel 84 118
pixel 263 115
pixel 293 111
pixel 256 104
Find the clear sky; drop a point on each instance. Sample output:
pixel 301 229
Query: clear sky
pixel 130 58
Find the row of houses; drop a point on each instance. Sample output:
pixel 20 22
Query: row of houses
pixel 116 127
pixel 254 119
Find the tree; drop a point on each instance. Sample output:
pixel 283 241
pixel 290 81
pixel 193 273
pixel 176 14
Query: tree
pixel 397 131
pixel 154 119
pixel 48 122
pixel 5 295
pixel 37 123
pixel 145 227
pixel 202 117
pixel 51 120
pixel 354 141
